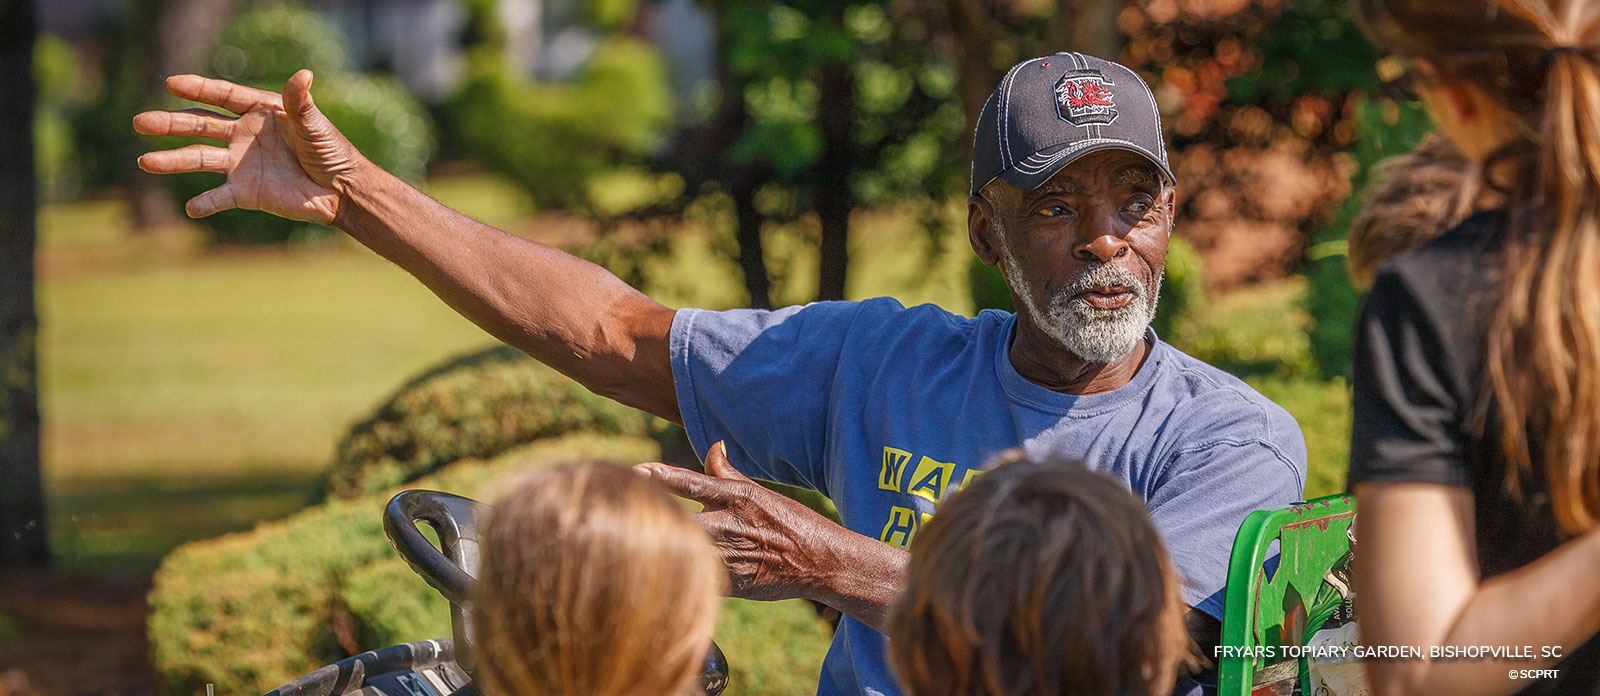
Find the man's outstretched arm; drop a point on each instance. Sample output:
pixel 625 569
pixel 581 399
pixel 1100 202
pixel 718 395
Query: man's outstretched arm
pixel 282 156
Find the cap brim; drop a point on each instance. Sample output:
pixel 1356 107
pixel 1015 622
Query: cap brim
pixel 1029 173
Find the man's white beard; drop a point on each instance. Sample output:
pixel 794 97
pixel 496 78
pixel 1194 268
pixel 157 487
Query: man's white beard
pixel 1096 335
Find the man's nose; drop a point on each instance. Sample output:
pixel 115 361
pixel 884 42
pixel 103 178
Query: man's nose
pixel 1103 242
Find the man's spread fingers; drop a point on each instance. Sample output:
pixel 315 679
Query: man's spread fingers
pixel 688 484
pixel 236 98
pixel 192 158
pixel 717 463
pixel 188 122
pixel 214 201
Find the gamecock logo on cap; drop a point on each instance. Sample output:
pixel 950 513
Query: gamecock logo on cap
pixel 1083 97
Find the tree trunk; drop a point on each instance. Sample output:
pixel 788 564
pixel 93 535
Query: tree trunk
pixel 972 27
pixel 752 257
pixel 22 528
pixel 179 32
pixel 832 197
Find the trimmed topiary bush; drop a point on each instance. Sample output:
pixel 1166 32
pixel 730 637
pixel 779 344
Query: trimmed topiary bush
pixel 475 406
pixel 261 47
pixel 555 139
pixel 1183 286
pixel 253 610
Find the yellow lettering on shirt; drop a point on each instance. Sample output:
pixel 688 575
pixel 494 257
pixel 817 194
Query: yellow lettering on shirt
pixel 930 479
pixel 894 468
pixel 902 527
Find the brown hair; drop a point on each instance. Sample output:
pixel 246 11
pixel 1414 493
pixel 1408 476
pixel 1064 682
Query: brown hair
pixel 1416 197
pixel 1038 578
pixel 1538 59
pixel 595 582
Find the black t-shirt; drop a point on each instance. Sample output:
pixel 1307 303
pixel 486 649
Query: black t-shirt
pixel 1418 380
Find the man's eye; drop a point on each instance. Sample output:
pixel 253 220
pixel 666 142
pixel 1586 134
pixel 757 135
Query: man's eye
pixel 1139 206
pixel 1054 210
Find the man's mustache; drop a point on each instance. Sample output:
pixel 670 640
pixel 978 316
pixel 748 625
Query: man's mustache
pixel 1100 276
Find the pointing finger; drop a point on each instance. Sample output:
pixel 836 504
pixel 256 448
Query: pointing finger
pixel 236 98
pixel 214 201
pixel 192 158
pixel 188 122
pixel 717 463
pixel 688 484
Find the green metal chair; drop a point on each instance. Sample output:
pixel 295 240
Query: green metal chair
pixel 1287 608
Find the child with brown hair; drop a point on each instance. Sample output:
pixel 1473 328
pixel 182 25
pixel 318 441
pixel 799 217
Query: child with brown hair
pixel 1039 578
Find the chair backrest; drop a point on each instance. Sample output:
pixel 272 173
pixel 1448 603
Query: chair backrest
pixel 1266 609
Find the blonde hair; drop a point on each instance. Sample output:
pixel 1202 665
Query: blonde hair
pixel 595 582
pixel 1039 578
pixel 1538 59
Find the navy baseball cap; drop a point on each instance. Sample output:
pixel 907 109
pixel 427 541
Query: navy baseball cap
pixel 1049 111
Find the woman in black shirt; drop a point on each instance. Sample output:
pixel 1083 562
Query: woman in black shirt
pixel 1475 457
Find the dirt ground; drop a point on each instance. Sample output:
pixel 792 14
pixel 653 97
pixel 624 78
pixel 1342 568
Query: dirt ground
pixel 73 635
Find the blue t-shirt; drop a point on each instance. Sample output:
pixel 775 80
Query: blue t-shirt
pixel 886 410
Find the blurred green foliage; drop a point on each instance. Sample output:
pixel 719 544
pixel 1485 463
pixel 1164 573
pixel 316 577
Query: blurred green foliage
pixel 265 43
pixel 1259 331
pixel 56 156
pixel 557 140
pixel 1183 286
pixel 474 406
pixel 1314 48
pixel 262 46
pixel 256 609
pixel 988 285
pixel 1386 129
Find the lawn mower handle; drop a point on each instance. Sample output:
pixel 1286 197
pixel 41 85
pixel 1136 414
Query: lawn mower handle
pixel 453 572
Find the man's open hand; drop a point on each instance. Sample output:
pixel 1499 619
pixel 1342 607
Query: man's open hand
pixel 282 156
pixel 774 547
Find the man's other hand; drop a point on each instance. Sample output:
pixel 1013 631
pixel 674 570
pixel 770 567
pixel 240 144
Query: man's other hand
pixel 282 155
pixel 774 547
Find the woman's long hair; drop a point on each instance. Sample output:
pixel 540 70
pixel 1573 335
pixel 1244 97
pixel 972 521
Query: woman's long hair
pixel 1039 578
pixel 1537 58
pixel 595 582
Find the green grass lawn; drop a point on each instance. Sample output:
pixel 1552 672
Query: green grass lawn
pixel 190 395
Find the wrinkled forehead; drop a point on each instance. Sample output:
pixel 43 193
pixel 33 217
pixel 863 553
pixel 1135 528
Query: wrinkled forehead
pixel 1117 169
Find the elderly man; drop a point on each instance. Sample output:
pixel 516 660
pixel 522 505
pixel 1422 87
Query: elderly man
pixel 882 408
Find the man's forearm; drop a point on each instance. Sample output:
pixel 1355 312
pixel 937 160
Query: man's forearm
pixel 866 579
pixel 567 312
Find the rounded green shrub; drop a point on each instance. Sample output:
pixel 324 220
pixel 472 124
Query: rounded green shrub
pixel 555 139
pixel 265 43
pixel 262 47
pixel 1183 286
pixel 988 287
pixel 474 406
pixel 253 610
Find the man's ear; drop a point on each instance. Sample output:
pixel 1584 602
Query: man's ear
pixel 981 230
pixel 1169 206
